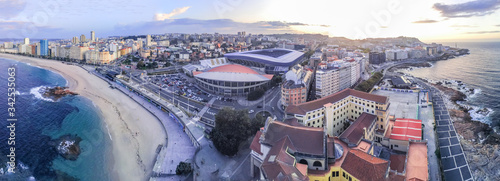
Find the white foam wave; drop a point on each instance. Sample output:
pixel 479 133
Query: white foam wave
pixel 481 114
pixel 109 134
pixel 37 92
pixel 24 167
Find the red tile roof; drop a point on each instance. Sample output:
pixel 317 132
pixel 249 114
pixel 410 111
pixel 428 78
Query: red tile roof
pixel 365 167
pixel 318 103
pixel 398 162
pixel 417 163
pixel 255 146
pixel 310 144
pixel 355 132
pixel 235 68
pixel 279 165
pixel 405 129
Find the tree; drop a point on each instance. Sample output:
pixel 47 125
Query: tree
pixel 140 64
pixel 367 85
pixel 183 168
pixel 256 94
pixel 231 128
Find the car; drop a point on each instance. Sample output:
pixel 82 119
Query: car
pixel 259 106
pixel 251 111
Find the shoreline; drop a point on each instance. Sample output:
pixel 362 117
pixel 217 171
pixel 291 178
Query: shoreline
pixel 133 130
pixel 480 141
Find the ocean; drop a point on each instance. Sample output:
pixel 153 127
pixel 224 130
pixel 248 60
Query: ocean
pixel 41 120
pixel 479 70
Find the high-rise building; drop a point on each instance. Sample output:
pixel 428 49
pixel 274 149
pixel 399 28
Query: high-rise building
pixel 334 77
pixel 75 40
pixel 92 36
pixel 376 57
pixel 26 41
pixel 44 47
pixel 148 40
pixel 82 38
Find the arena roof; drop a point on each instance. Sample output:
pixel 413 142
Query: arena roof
pixel 233 73
pixel 275 57
pixel 405 129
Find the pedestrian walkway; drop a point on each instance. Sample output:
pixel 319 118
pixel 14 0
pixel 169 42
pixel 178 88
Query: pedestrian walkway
pixel 455 166
pixel 204 110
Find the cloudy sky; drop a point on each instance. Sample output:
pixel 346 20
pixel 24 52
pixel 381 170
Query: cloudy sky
pixel 442 20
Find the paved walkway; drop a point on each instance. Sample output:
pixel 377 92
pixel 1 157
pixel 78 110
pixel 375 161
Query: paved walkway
pixel 455 166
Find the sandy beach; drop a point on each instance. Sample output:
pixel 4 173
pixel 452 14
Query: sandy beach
pixel 135 133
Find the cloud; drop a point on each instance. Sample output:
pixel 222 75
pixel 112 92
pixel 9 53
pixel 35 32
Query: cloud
pixel 187 25
pixel 482 32
pixel 497 25
pixel 463 26
pixel 468 9
pixel 426 21
pixel 176 11
pixel 11 8
pixel 20 29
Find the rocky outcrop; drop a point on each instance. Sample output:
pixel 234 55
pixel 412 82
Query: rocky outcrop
pixel 67 146
pixel 56 93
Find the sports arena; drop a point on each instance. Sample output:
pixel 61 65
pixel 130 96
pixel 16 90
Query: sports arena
pixel 275 61
pixel 231 79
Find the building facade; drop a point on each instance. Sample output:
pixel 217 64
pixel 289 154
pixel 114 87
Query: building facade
pixel 44 47
pixel 335 112
pixel 376 58
pixel 295 88
pixel 333 77
pixel 231 79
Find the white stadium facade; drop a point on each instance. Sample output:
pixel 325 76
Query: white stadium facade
pixel 231 79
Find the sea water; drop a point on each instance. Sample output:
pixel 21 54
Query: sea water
pixel 41 120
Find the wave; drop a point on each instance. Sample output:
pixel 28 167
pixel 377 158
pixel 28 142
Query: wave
pixel 109 133
pixel 481 114
pixel 37 92
pixel 24 167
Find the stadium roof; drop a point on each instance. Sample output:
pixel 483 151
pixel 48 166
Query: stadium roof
pixel 275 57
pixel 405 129
pixel 233 73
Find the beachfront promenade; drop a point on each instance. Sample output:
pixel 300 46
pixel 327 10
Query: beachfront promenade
pixel 180 129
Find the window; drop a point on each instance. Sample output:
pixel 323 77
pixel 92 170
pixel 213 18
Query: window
pixel 343 174
pixel 350 178
pixel 337 173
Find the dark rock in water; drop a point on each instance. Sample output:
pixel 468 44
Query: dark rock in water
pixel 61 176
pixel 57 92
pixel 67 146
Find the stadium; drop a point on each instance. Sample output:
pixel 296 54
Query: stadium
pixel 275 61
pixel 231 79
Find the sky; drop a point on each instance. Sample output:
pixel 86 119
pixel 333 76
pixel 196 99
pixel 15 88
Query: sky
pixel 442 20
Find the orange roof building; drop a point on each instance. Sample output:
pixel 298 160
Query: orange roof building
pixel 417 163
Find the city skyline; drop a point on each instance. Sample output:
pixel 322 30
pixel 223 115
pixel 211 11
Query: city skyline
pixel 428 21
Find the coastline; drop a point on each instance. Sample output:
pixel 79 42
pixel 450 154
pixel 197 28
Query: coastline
pixel 132 129
pixel 480 142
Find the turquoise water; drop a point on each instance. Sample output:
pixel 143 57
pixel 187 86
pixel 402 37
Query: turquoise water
pixel 41 120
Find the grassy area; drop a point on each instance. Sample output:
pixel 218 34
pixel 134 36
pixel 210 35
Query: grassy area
pixel 367 85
